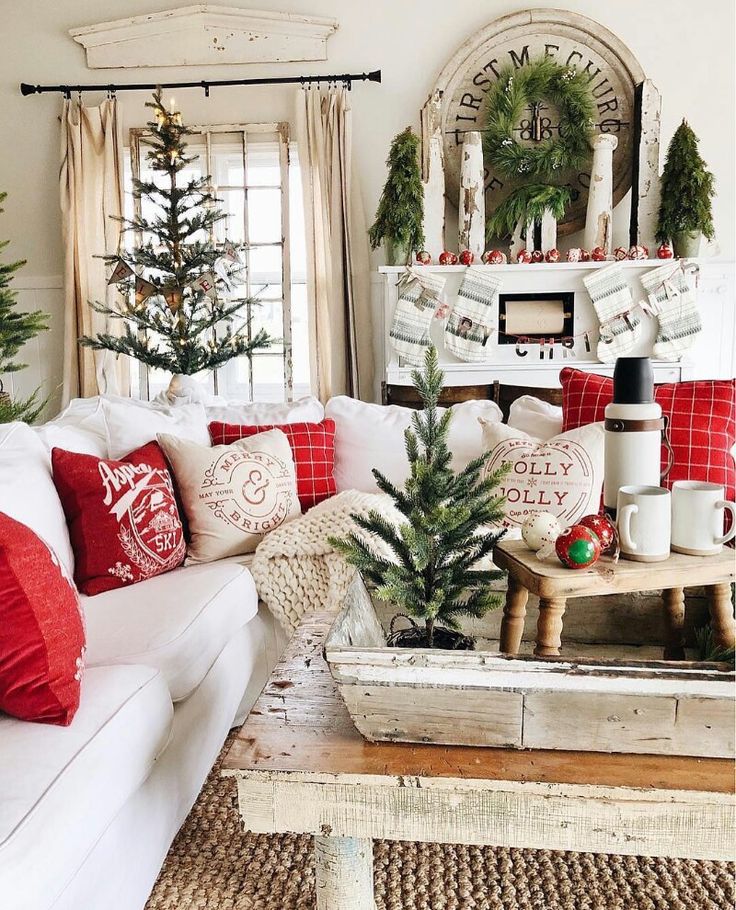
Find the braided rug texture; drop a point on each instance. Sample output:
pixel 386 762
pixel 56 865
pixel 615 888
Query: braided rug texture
pixel 214 865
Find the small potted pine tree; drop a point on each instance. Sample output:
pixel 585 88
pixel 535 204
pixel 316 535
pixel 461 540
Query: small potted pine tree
pixel 401 208
pixel 436 572
pixel 685 215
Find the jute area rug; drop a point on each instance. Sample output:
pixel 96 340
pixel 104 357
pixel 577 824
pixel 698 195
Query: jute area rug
pixel 214 865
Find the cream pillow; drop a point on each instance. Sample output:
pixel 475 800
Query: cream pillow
pixel 233 495
pixel 562 475
pixel 131 424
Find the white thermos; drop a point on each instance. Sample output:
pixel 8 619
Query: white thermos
pixel 634 430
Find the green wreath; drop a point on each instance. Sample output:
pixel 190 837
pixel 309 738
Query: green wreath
pixel 568 90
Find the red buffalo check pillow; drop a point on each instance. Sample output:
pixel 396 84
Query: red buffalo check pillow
pixel 122 515
pixel 41 630
pixel 313 448
pixel 701 415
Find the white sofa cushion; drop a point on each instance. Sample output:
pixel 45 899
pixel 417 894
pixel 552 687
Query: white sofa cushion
pixel 79 428
pixel 60 787
pixel 177 622
pixel 27 491
pixel 131 423
pixel 258 414
pixel 535 417
pixel 371 436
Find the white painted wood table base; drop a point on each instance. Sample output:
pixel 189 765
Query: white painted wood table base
pixel 344 873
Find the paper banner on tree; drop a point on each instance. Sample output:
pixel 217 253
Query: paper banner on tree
pixel 143 290
pixel 230 252
pixel 206 284
pixel 121 271
pixel 223 273
pixel 173 297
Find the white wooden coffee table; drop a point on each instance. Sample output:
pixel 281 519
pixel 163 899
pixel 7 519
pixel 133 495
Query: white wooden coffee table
pixel 301 766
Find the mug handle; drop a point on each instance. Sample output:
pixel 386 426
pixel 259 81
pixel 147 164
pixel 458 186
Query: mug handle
pixel 624 526
pixel 731 506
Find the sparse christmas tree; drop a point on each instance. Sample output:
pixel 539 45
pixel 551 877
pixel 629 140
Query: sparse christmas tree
pixel 16 328
pixel 175 316
pixel 401 207
pixel 437 575
pixel 687 191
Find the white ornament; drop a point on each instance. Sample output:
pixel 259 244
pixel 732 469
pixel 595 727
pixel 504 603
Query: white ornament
pixel 540 528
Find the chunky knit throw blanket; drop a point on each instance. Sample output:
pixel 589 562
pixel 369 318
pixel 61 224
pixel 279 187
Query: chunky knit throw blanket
pixel 295 568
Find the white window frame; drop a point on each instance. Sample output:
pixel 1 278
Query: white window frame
pixel 205 133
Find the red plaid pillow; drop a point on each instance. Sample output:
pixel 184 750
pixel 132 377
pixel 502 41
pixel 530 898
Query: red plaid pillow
pixel 702 422
pixel 313 448
pixel 122 515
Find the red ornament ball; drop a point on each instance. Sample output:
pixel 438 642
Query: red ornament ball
pixel 448 258
pixel 537 256
pixel 523 256
pixel 584 256
pixel 494 257
pixel 466 257
pixel 598 254
pixel 552 256
pixel 424 258
pixel 604 529
pixel 620 253
pixel 638 252
pixel 578 547
pixel 664 251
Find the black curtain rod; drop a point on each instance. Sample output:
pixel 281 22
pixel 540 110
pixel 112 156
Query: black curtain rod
pixel 205 84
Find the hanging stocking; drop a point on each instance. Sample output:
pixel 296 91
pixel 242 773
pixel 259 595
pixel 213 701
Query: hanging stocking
pixel 621 327
pixel 672 299
pixel 471 320
pixel 419 297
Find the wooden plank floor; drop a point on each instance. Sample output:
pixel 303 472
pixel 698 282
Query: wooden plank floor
pixel 300 724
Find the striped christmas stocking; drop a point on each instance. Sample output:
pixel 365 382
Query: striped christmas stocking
pixel 471 321
pixel 621 327
pixel 419 297
pixel 672 299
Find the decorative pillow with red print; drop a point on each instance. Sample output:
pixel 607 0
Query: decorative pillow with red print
pixel 701 415
pixel 313 448
pixel 123 519
pixel 41 630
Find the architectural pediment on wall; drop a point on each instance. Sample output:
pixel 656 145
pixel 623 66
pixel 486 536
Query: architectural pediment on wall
pixel 205 35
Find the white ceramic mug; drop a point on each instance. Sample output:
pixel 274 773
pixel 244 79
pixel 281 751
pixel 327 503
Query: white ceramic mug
pixel 644 523
pixel 697 518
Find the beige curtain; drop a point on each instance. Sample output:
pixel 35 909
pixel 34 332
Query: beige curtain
pixel 91 186
pixel 338 271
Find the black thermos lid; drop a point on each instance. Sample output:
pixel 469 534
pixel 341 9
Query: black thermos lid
pixel 633 381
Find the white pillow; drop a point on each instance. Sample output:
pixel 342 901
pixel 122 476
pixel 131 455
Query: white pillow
pixel 256 414
pixel 536 417
pixel 130 424
pixel 27 491
pixel 371 436
pixel 562 475
pixel 79 428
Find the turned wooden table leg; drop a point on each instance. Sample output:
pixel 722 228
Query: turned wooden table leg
pixel 549 626
pixel 344 873
pixel 721 615
pixel 674 617
pixel 514 613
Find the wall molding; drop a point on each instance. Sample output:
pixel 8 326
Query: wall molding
pixel 204 35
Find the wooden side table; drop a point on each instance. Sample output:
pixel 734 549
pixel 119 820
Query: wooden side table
pixel 553 584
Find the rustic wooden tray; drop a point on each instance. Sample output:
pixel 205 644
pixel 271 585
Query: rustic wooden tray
pixel 484 698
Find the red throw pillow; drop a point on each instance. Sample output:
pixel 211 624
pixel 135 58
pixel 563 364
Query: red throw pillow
pixel 41 630
pixel 701 414
pixel 313 448
pixel 122 515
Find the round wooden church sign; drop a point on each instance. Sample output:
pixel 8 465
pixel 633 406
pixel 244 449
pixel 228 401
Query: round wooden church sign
pixel 516 40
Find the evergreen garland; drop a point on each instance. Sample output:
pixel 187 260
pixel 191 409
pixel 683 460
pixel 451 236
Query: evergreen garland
pixel 527 203
pixel 435 575
pixel 174 328
pixel 16 329
pixel 400 214
pixel 687 189
pixel 568 90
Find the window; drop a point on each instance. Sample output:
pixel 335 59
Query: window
pixel 255 173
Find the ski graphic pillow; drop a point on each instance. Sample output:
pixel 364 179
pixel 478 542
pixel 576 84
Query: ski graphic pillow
pixel 122 515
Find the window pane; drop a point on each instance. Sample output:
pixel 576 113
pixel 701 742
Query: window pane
pixel 233 203
pixel 226 155
pixel 264 216
pixel 268 378
pixel 296 220
pixel 269 316
pixel 265 264
pixel 300 336
pixel 263 161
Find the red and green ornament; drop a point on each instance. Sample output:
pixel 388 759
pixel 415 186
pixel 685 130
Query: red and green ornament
pixel 604 529
pixel 578 547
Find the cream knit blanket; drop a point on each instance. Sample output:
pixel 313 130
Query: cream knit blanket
pixel 297 571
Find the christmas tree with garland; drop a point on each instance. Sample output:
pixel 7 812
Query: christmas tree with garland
pixel 687 189
pixel 401 208
pixel 16 328
pixel 436 573
pixel 175 315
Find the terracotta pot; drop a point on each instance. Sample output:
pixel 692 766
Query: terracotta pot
pixel 687 244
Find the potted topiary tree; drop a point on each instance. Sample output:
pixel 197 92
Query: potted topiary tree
pixel 401 207
pixel 438 574
pixel 685 215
